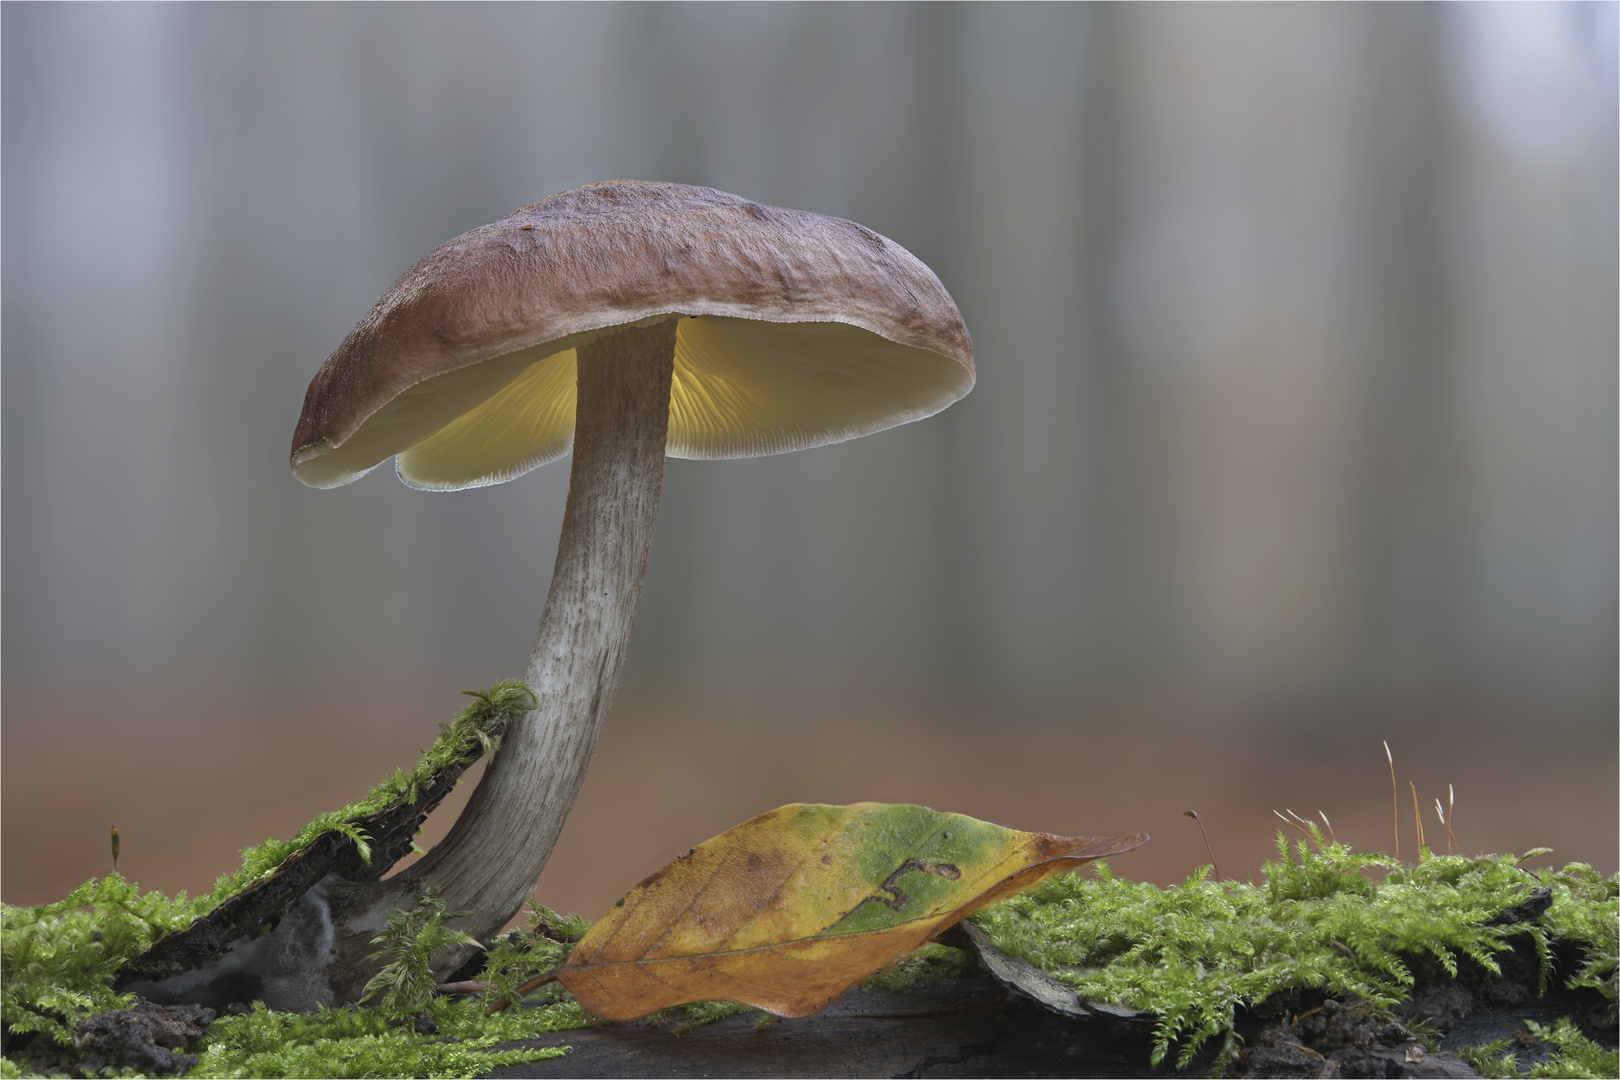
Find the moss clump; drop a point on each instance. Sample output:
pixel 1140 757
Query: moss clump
pixel 58 961
pixel 1574 1055
pixel 523 955
pixel 1584 911
pixel 58 972
pixel 688 1018
pixel 1192 954
pixel 927 964
pixel 451 1038
pixel 405 984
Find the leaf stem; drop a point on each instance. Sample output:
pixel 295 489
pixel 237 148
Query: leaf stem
pixel 527 988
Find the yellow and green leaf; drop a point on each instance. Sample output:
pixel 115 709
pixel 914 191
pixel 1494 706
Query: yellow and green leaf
pixel 790 909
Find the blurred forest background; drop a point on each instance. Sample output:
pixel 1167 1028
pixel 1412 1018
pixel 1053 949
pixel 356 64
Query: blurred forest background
pixel 1295 427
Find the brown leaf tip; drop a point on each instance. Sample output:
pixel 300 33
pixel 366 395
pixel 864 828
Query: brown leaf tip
pixel 1045 846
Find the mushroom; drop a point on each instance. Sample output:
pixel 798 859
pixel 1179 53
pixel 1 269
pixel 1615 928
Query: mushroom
pixel 695 324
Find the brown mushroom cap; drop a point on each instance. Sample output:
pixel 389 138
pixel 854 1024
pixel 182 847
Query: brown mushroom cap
pixel 803 330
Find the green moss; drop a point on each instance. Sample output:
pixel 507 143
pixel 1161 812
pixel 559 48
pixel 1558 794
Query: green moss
pixel 1584 911
pixel 687 1018
pixel 1574 1055
pixel 1193 953
pixel 371 1042
pixel 927 964
pixel 58 961
pixel 404 986
pixel 523 955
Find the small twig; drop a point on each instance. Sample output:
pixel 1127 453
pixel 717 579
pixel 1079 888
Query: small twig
pixel 115 848
pixel 1417 817
pixel 465 986
pixel 1213 864
pixel 1394 800
pixel 527 988
pixel 1329 824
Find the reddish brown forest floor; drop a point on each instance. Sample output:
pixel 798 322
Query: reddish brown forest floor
pixel 189 781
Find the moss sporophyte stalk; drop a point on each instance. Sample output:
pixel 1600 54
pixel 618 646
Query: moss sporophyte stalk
pixel 1191 955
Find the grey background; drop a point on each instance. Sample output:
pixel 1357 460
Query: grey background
pixel 1296 330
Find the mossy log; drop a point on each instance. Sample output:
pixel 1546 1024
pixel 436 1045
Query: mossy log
pixel 974 1026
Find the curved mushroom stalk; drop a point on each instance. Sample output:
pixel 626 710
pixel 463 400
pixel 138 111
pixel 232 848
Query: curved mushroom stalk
pixel 494 853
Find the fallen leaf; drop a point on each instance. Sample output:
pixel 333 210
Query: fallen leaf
pixel 788 910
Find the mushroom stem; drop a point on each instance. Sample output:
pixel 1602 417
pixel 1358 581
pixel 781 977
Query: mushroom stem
pixel 493 855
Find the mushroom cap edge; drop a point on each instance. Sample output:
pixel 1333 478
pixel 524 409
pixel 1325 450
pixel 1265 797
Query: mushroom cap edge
pixel 790 313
